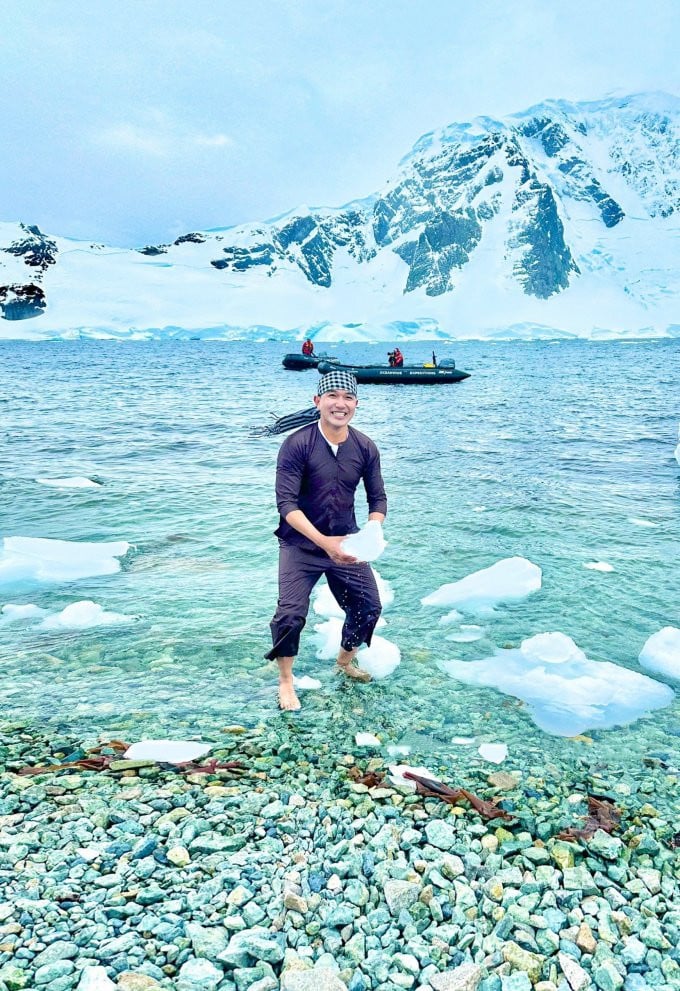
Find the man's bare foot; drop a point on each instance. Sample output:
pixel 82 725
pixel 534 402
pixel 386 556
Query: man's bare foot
pixel 350 669
pixel 288 700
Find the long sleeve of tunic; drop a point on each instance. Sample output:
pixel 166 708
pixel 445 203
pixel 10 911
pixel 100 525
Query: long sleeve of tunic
pixel 311 478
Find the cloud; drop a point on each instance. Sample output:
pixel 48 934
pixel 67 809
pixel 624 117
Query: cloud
pixel 156 134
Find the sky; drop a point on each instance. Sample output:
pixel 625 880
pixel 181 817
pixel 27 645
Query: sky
pixel 132 122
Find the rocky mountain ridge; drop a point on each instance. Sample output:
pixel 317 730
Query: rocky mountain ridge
pixel 556 211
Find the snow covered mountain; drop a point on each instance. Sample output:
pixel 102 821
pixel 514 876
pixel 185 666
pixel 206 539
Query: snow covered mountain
pixel 561 220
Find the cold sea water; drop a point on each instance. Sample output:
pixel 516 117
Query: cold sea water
pixel 561 453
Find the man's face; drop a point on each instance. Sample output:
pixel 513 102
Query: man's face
pixel 336 407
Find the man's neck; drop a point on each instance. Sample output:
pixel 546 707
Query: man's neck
pixel 335 435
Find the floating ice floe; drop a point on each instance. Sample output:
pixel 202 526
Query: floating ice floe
pixel 397 772
pixel 398 750
pixel 368 544
pixel 565 691
pixel 70 483
pixel 467 634
pixel 82 616
pixel 367 740
pixel 167 751
pixel 325 603
pixel 306 684
pixel 495 753
pixel 40 559
pixel 661 652
pixel 598 566
pixel 463 741
pixel 639 521
pixel 379 660
pixel 12 613
pixel 505 581
pixel 451 617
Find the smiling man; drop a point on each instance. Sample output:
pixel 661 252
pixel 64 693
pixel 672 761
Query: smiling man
pixel 317 474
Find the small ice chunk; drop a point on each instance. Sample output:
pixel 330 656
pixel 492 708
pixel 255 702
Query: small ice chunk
pixel 677 450
pixel 367 740
pixel 328 637
pixel 661 652
pixel 306 684
pixel 77 482
pixel 397 775
pixel 479 509
pixel 380 659
pixel 565 691
pixel 639 521
pixel 368 544
pixel 325 603
pixel 463 741
pixel 493 752
pixel 82 616
pixel 598 566
pixel 95 979
pixel 467 634
pixel 505 581
pixel 12 613
pixel 451 617
pixel 167 751
pixel 398 750
pixel 44 560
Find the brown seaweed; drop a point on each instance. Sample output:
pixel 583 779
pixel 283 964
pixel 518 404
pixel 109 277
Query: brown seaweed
pixel 452 796
pixel 372 779
pixel 98 761
pixel 603 815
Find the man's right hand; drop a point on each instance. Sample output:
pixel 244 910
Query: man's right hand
pixel 332 547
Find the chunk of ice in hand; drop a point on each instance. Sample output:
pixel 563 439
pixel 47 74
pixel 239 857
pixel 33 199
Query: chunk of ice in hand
pixel 366 545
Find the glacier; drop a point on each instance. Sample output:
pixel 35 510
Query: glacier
pixel 560 221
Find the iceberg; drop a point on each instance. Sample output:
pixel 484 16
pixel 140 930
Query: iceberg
pixel 505 581
pixel 366 545
pixel 43 560
pixel 83 616
pixel 661 653
pixel 565 691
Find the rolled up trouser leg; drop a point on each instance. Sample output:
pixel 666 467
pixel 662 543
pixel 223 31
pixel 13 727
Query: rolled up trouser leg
pixel 299 571
pixel 354 586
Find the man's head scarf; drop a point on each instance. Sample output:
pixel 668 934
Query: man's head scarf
pixel 337 380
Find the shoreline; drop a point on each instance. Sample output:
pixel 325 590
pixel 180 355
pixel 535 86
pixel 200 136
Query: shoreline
pixel 292 875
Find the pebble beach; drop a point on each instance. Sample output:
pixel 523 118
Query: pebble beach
pixel 290 874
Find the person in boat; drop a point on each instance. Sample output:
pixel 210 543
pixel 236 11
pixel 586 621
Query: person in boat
pixel 398 358
pixel 434 359
pixel 318 471
pixel 308 347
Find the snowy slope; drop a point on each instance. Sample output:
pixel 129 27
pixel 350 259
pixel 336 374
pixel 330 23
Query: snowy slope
pixel 560 220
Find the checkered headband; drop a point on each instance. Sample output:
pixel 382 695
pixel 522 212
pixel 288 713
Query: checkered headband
pixel 337 380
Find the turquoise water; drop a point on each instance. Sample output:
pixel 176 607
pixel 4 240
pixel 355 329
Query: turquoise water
pixel 548 451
